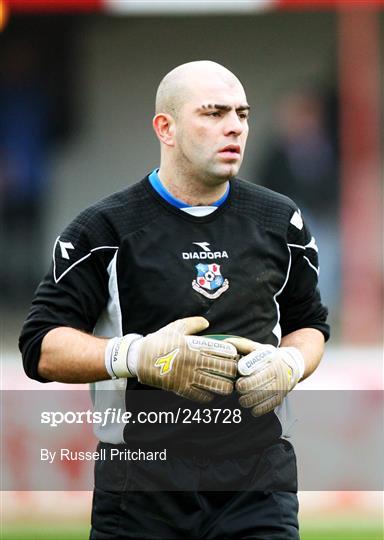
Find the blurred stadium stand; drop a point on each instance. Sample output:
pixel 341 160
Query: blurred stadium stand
pixel 100 73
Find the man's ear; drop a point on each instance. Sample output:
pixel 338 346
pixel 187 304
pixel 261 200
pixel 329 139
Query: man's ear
pixel 165 128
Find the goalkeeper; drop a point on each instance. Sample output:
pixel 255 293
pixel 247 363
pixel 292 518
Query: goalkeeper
pixel 138 283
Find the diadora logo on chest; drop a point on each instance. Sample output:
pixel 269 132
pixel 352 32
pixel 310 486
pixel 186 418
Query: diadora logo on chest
pixel 204 253
pixel 209 280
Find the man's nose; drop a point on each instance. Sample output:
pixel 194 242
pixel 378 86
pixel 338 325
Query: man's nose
pixel 234 124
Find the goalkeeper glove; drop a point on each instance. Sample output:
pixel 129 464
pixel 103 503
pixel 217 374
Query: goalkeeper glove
pixel 194 367
pixel 268 374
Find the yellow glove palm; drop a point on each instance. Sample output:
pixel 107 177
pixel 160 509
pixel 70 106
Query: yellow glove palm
pixel 194 367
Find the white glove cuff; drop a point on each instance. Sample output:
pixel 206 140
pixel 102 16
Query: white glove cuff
pixel 117 356
pixel 294 358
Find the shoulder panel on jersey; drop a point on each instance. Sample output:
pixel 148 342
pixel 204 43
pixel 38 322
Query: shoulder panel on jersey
pixel 301 240
pixel 89 232
pixel 268 208
pixel 63 262
pixel 101 227
pixel 298 233
pixel 130 209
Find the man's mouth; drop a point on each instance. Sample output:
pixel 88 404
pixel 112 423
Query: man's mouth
pixel 232 150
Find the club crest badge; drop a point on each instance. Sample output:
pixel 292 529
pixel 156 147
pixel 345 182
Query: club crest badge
pixel 209 281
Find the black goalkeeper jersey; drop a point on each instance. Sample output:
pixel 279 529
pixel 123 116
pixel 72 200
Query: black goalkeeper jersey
pixel 133 263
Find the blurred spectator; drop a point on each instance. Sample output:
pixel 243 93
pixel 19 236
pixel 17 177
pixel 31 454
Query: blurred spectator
pixel 25 118
pixel 301 162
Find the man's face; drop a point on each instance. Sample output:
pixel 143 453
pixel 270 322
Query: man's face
pixel 211 131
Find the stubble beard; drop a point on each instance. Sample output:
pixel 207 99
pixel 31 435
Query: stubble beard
pixel 206 176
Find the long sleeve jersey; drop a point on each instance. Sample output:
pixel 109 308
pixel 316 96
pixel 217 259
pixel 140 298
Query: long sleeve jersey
pixel 132 263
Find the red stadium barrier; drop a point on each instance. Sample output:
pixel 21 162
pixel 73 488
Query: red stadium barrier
pixel 125 6
pixel 49 6
pixel 315 5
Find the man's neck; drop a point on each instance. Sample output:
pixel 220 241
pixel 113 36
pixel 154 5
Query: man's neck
pixel 190 191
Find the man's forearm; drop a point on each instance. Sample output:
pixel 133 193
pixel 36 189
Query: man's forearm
pixel 70 356
pixel 310 343
pixel 172 359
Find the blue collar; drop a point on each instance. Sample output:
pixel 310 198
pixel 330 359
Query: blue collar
pixel 163 192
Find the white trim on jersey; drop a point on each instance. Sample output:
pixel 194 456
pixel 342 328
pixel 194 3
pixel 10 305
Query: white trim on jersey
pixel 283 412
pixel 296 246
pixel 311 245
pixel 277 328
pixel 199 211
pixel 297 220
pixel 286 416
pixel 110 393
pixel 317 270
pixel 57 279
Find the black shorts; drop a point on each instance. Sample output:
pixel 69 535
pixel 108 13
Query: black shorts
pixel 250 497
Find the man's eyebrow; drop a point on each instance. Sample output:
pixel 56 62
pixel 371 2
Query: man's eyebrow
pixel 221 107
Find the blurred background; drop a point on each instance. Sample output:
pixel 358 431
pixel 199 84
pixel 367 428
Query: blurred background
pixel 77 88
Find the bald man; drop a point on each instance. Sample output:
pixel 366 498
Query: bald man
pixel 142 289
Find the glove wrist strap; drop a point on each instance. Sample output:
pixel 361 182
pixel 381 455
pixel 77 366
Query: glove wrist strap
pixel 295 359
pixel 117 356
